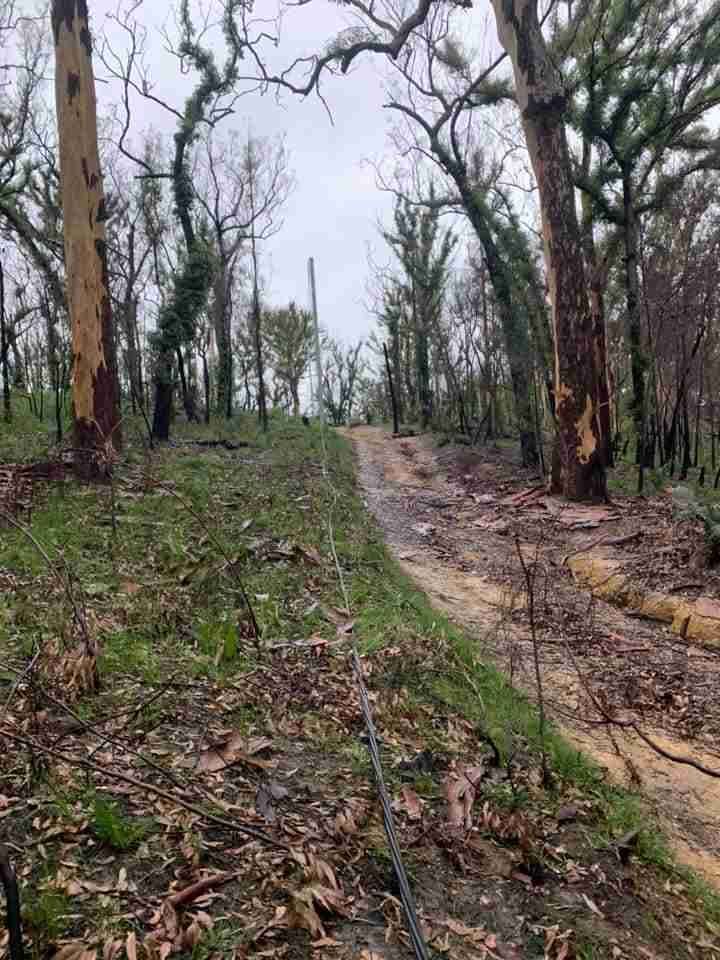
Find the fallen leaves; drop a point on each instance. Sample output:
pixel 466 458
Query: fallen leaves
pixel 266 794
pixel 235 749
pixel 460 789
pixel 409 803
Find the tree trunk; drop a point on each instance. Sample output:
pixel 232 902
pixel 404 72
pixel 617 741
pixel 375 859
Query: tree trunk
pixel 4 350
pixel 597 309
pixel 206 385
pixel 580 468
pixel 391 385
pixel 94 377
pixel 222 339
pixel 698 408
pixel 634 329
pixel 164 389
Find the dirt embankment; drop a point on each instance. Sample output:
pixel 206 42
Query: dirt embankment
pixel 458 521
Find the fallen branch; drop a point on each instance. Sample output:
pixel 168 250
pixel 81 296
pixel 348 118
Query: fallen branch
pixel 196 890
pixel 675 757
pixel 603 542
pixel 144 786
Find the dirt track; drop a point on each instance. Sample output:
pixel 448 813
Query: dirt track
pixel 643 672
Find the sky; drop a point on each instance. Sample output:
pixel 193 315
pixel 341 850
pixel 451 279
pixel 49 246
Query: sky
pixel 333 212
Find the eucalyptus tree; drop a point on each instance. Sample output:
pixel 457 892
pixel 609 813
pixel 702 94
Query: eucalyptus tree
pixel 289 335
pixel 241 186
pixel 423 251
pixel 210 101
pixel 95 384
pixel 646 75
pixel 579 458
pixel 343 368
pixel 438 93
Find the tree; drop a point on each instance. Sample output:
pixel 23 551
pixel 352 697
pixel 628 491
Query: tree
pixel 647 73
pixel 439 95
pixel 579 465
pixel 242 202
pixel 289 336
pixel 424 252
pixel 342 371
pixel 94 377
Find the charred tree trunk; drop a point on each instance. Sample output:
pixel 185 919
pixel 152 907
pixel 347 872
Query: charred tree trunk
pixel 686 440
pixel 94 377
pixel 580 462
pixel 391 386
pixel 4 351
pixel 223 341
pixel 634 329
pixel 206 385
pixel 164 389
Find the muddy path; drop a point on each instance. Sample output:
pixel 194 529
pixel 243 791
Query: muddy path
pixel 595 657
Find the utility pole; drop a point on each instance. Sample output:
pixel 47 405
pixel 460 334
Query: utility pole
pixel 318 356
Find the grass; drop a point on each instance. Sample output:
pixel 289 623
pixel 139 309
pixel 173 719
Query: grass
pixel 166 594
pixel 45 916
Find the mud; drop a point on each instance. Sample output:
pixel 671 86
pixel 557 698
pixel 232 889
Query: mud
pixel 597 660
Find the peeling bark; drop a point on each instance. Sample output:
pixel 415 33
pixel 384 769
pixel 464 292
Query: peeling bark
pixel 579 465
pixel 94 375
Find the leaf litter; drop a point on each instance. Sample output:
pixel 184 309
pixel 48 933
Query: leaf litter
pixel 295 769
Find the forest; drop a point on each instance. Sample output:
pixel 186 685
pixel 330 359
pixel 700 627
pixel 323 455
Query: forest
pixel 374 615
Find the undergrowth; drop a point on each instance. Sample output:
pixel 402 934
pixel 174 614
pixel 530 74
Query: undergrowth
pixel 167 573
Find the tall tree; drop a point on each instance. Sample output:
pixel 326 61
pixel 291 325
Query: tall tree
pixel 289 334
pixel 579 462
pixel 94 377
pixel 649 73
pixel 424 252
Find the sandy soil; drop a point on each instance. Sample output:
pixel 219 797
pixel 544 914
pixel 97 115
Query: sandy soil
pixel 596 658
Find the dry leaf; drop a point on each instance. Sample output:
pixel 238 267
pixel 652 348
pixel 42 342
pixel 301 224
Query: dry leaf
pixel 459 789
pixel 111 948
pixel 170 919
pixel 131 946
pixel 410 803
pixel 71 951
pixel 191 936
pixel 235 749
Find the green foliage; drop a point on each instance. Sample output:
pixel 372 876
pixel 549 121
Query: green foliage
pixel 45 917
pixel 688 506
pixel 218 639
pixel 114 828
pixel 176 322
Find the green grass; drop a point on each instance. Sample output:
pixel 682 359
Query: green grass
pixel 45 917
pixel 185 608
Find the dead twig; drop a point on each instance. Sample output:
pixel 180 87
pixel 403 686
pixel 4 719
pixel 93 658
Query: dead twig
pixel 530 575
pixel 196 890
pixel 603 542
pixel 223 552
pixel 143 786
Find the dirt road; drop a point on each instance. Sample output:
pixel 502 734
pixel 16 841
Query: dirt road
pixel 590 650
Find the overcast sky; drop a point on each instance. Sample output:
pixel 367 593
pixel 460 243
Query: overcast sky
pixel 333 211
